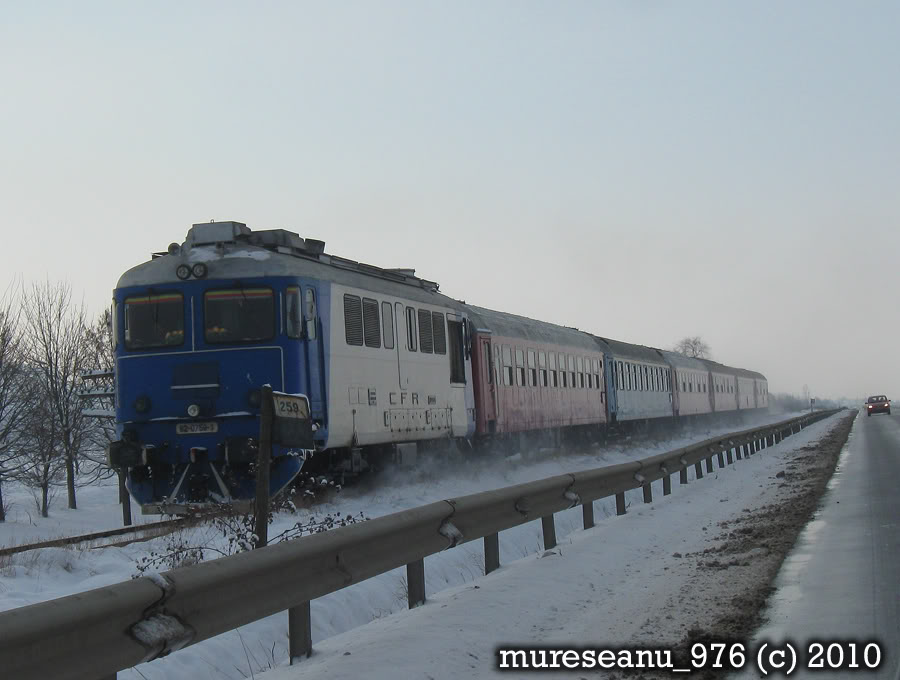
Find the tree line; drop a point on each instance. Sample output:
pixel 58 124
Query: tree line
pixel 47 341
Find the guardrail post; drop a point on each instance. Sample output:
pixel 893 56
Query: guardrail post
pixel 491 553
pixel 667 485
pixel 729 456
pixel 709 466
pixel 587 514
pixel 549 527
pixel 682 476
pixel 620 503
pixel 299 632
pixel 648 493
pixel 739 452
pixel 415 582
pixel 721 458
pixel 698 470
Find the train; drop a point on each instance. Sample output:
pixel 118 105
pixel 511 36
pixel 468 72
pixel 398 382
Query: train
pixel 390 367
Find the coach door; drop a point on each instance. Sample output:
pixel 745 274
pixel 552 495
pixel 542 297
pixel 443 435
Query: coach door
pixel 486 390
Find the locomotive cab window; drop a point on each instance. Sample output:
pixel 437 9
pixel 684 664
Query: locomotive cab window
pixel 292 315
pixel 154 321
pixel 238 315
pixel 311 313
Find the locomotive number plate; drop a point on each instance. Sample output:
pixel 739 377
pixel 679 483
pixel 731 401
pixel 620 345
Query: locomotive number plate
pixel 196 428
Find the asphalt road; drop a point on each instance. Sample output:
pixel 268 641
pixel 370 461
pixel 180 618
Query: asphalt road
pixel 842 579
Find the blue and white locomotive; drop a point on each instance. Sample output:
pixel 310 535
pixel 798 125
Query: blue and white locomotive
pixel 200 329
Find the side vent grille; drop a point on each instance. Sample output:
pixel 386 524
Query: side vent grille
pixel 440 336
pixel 426 342
pixel 370 322
pixel 353 325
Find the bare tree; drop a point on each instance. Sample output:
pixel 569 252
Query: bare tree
pixel 40 443
pixel 54 331
pixel 13 396
pixel 692 347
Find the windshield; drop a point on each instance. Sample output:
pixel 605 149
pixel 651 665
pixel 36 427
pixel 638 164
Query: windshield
pixel 239 315
pixel 154 321
pixel 872 400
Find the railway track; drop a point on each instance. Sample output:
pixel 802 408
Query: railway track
pixel 144 532
pixel 108 538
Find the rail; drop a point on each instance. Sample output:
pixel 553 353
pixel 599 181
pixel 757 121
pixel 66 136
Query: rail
pixel 99 632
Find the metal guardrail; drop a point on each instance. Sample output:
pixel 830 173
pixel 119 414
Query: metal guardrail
pixel 99 632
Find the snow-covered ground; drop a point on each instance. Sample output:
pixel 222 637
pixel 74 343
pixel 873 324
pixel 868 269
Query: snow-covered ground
pixel 600 589
pixel 40 575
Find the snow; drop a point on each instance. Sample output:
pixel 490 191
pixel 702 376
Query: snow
pixel 209 253
pixel 624 565
pixel 161 631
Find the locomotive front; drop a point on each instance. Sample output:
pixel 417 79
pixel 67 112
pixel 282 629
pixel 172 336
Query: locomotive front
pixel 198 331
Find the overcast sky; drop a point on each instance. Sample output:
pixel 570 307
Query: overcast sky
pixel 641 170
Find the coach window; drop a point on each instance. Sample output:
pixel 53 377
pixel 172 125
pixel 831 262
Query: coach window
pixel 507 366
pixel 411 329
pixel 520 367
pixel 154 321
pixel 239 315
pixel 498 365
pixel 426 339
pixel 387 324
pixel 571 371
pixel 293 318
pixel 551 362
pixel 457 350
pixel 542 368
pixel 563 375
pixel 440 340
pixel 532 369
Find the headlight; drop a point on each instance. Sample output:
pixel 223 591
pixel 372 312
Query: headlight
pixel 254 398
pixel 182 271
pixel 193 410
pixel 199 270
pixel 142 404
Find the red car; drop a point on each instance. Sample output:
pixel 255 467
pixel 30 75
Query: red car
pixel 878 404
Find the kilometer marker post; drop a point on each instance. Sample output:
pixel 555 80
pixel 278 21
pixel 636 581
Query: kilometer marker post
pixel 263 460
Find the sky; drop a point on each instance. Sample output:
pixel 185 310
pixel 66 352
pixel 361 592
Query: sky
pixel 640 170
